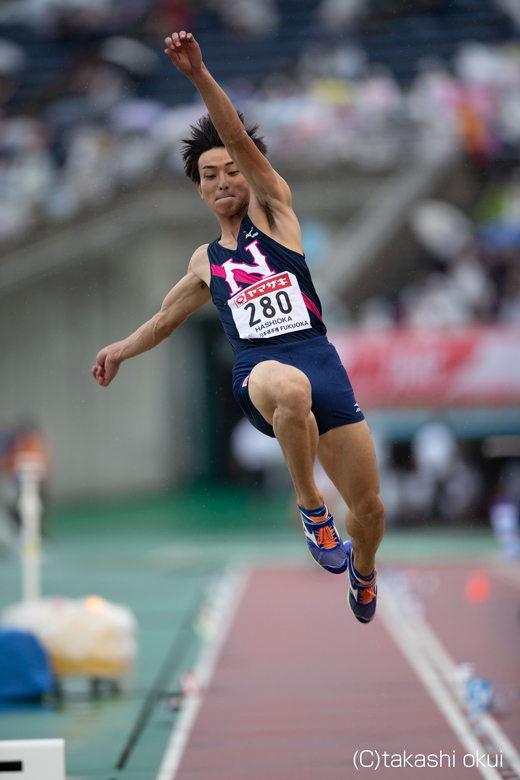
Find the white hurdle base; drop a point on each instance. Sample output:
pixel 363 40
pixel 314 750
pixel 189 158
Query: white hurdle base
pixel 32 759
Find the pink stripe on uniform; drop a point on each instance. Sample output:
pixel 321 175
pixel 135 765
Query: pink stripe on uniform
pixel 311 306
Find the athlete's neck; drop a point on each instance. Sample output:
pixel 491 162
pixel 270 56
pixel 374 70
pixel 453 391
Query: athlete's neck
pixel 230 227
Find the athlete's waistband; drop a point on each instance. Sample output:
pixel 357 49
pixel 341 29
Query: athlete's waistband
pixel 315 342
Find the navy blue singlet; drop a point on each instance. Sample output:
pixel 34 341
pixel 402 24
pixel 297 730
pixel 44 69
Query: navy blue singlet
pixel 259 268
pixel 270 310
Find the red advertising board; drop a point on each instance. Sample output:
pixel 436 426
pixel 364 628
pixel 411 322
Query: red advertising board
pixel 477 366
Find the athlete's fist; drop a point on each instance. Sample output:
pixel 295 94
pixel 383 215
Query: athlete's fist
pixel 106 366
pixel 184 52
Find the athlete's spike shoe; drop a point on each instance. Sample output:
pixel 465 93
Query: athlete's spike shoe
pixel 324 541
pixel 362 594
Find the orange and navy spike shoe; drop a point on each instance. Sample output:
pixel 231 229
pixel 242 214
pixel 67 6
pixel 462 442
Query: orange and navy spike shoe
pixel 324 540
pixel 362 592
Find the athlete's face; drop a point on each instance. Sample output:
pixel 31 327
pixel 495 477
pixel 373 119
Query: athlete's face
pixel 222 185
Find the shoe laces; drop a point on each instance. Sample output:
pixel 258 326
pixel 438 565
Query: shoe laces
pixel 326 537
pixel 367 595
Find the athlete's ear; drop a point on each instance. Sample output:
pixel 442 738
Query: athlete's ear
pixel 199 189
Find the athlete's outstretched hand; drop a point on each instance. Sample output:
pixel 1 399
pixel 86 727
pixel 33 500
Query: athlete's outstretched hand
pixel 106 367
pixel 184 52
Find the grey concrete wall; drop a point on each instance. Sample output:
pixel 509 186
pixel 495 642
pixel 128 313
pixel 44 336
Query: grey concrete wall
pixel 135 434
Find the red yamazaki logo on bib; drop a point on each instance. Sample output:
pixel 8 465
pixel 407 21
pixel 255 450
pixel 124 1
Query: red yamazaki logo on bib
pixel 277 282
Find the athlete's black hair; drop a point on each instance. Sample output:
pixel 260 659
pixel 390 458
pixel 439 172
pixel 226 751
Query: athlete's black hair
pixel 204 137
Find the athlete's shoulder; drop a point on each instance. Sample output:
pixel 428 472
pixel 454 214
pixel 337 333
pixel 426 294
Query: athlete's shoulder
pixel 200 252
pixel 199 263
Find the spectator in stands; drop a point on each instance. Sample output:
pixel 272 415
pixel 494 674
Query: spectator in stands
pixel 433 99
pixel 255 18
pixel 26 173
pixel 340 16
pixel 90 168
pixel 328 60
pixel 450 485
pixel 12 60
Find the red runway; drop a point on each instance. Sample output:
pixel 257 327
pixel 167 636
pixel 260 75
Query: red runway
pixel 301 691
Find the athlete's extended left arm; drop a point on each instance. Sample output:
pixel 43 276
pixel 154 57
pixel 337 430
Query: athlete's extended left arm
pixel 268 186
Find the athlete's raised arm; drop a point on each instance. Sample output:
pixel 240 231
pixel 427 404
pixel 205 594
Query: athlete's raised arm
pixel 188 295
pixel 269 187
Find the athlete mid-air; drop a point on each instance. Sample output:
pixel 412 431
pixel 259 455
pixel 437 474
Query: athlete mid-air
pixel 288 379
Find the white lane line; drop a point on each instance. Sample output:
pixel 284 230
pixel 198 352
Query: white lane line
pixel 500 740
pixel 225 602
pixel 407 640
pixel 485 722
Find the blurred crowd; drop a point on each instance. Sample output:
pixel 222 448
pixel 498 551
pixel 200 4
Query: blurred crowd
pixel 253 17
pixel 58 18
pixel 471 272
pixel 97 136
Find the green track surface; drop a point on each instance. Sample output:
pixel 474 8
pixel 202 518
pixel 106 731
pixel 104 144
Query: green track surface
pixel 160 556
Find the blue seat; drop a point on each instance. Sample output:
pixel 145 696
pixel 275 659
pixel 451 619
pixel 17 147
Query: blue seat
pixel 25 670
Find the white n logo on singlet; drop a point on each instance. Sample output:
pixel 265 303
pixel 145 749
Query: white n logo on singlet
pixel 259 268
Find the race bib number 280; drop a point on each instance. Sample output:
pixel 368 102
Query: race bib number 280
pixel 270 308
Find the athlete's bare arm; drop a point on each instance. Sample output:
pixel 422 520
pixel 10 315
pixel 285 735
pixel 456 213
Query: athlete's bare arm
pixel 270 207
pixel 188 295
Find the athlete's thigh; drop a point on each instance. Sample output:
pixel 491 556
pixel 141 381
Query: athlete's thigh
pixel 348 457
pixel 269 380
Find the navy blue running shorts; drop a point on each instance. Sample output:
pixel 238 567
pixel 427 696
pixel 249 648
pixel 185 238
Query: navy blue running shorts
pixel 333 402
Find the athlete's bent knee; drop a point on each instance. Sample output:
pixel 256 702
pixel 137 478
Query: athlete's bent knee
pixel 294 396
